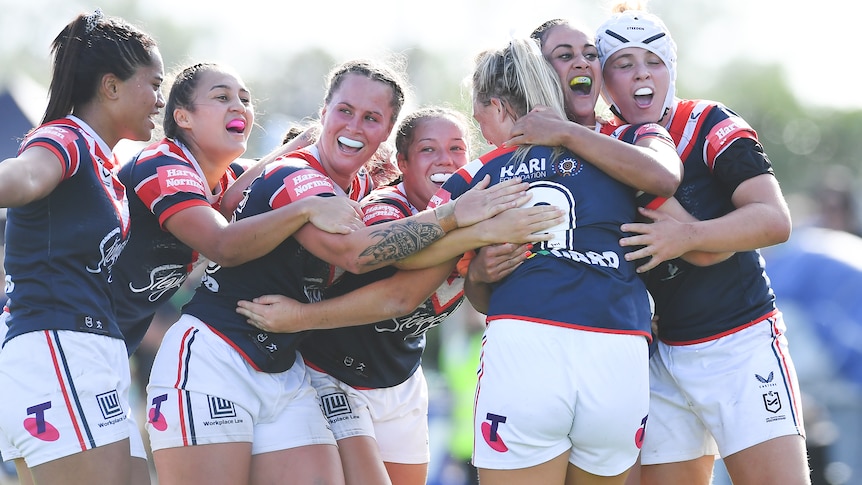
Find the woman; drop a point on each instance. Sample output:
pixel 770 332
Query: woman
pixel 376 368
pixel 176 186
pixel 67 223
pixel 231 415
pixel 587 425
pixel 718 324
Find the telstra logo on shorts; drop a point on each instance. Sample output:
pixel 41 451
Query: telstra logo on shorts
pixel 38 426
pixel 490 431
pixel 155 416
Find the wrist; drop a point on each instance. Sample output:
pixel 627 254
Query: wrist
pixel 446 216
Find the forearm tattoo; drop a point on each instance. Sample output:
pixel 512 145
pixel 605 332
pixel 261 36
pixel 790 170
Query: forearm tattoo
pixel 400 240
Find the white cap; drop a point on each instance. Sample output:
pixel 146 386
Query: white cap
pixel 636 28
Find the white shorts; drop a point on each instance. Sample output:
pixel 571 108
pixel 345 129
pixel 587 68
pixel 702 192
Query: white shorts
pixel 396 417
pixel 65 392
pixel 544 390
pixel 202 391
pixel 722 396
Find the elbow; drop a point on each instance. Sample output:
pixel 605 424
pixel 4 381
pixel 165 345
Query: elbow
pixel 402 304
pixel 227 257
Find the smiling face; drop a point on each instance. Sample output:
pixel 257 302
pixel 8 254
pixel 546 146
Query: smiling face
pixel 574 57
pixel 141 100
pixel 355 121
pixel 637 81
pixel 218 123
pixel 438 149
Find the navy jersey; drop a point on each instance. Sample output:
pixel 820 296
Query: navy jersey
pixel 579 279
pixel 287 179
pixel 60 250
pixel 694 304
pixel 386 353
pixel 162 179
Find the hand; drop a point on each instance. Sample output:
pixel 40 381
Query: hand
pixel 541 126
pixel 493 263
pixel 273 313
pixel 663 239
pixel 522 225
pixel 480 203
pixel 337 215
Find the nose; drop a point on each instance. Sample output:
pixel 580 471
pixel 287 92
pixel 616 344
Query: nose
pixel 641 72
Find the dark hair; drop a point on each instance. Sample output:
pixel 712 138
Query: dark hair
pixel 406 131
pixel 540 31
pixel 374 71
pixel 89 47
pixel 182 96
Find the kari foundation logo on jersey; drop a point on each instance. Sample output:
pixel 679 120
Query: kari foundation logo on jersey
pixel 534 168
pixel 491 432
pixel 38 426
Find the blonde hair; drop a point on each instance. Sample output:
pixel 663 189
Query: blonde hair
pixel 521 78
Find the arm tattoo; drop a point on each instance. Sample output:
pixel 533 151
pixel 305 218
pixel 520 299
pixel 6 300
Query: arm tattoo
pixel 400 240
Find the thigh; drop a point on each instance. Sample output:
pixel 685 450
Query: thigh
pixel 212 464
pixel 318 464
pixel 779 460
pixel 110 463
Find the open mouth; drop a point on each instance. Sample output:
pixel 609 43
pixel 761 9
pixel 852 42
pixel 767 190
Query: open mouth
pixel 350 143
pixel 439 178
pixel 581 85
pixel 236 126
pixel 643 96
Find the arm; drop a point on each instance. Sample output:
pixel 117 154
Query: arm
pixel 30 176
pixel 636 166
pixel 761 219
pixel 520 225
pixel 383 244
pixel 229 244
pixel 388 298
pixel 234 194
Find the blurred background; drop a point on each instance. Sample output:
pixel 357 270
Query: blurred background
pixel 781 67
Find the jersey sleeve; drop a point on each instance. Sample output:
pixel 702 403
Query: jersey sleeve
pixel 65 143
pixel 296 183
pixel 166 185
pixel 732 151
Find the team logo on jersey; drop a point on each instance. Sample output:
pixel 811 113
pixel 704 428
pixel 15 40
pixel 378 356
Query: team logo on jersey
pixel 491 432
pixel 335 404
pixel 568 166
pixel 163 279
pixel 109 404
pixel 38 426
pixel 772 401
pixel 110 248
